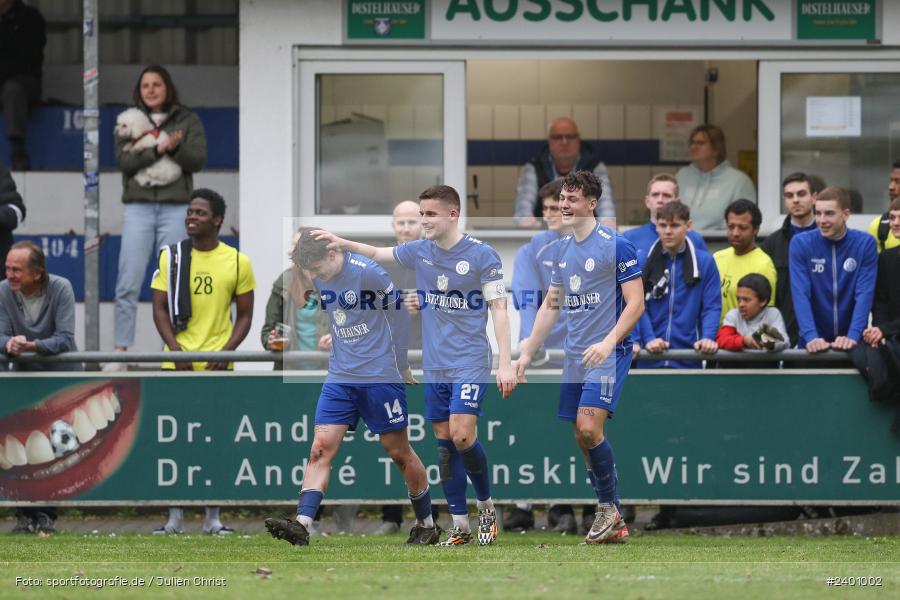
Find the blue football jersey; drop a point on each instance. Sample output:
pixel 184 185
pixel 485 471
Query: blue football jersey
pixel 454 312
pixel 530 281
pixel 368 343
pixel 590 273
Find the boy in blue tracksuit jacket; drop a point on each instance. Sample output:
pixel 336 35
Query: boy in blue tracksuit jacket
pixel 833 272
pixel 662 189
pixel 683 298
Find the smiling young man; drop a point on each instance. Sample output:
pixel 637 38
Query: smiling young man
pixel 833 272
pixel 193 288
pixel 596 278
pixel 683 301
pixel 459 279
pixel 369 328
pixel 742 220
pixel 799 199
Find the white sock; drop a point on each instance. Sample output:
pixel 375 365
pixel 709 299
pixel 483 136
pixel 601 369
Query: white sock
pixel 485 504
pixel 176 517
pixel 305 521
pixel 462 522
pixel 427 522
pixel 523 505
pixel 212 517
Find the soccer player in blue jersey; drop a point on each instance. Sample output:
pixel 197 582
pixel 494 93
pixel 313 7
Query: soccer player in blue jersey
pixel 369 328
pixel 597 280
pixel 459 279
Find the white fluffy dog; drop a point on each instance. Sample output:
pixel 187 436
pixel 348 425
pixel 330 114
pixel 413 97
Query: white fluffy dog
pixel 135 125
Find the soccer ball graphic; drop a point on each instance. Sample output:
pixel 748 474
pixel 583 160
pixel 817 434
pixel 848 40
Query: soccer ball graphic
pixel 62 438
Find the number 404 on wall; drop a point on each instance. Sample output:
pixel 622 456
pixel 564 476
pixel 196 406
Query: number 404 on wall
pixel 60 246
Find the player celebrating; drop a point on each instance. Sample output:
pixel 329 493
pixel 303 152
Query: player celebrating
pixel 456 276
pixel 369 332
pixel 597 279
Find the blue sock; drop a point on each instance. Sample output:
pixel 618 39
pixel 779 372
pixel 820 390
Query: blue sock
pixel 309 503
pixel 453 478
pixel 616 483
pixel 475 461
pixel 422 504
pixel 603 467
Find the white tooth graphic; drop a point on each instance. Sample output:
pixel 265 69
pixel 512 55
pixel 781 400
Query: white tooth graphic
pixel 38 448
pixel 15 452
pixel 4 464
pixel 106 405
pixel 96 413
pixel 84 429
pixel 115 401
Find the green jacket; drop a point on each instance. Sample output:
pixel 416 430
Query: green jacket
pixel 279 299
pixel 190 155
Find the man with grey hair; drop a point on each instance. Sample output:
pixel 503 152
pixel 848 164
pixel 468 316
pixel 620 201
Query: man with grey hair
pixel 564 153
pixel 37 315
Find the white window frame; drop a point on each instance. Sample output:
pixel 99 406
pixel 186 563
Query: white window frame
pixel 769 145
pixel 306 132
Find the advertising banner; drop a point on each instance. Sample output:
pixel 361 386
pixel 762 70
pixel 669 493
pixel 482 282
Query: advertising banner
pixel 692 436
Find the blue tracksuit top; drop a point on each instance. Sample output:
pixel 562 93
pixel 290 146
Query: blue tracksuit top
pixel 686 313
pixel 643 238
pixel 832 284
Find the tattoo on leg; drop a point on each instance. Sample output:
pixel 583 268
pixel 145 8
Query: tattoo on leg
pixel 586 411
pixel 320 428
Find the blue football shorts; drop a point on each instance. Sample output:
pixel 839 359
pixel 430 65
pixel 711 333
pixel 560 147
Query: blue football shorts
pixel 598 387
pixel 455 391
pixel 382 406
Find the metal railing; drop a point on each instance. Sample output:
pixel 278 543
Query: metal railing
pixel 415 356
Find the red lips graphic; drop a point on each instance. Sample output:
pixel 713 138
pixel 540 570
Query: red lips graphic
pixel 70 442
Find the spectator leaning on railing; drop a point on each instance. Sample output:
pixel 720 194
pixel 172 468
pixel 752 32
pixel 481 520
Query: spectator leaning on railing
pixel 37 314
pixel 833 274
pixel 682 301
pixel 197 280
pixel 754 324
pixel 879 358
pixel 37 310
pixel 799 196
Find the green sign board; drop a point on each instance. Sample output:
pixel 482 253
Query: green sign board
pixel 836 19
pixel 386 20
pixel 713 436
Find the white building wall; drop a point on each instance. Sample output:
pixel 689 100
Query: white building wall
pixel 269 31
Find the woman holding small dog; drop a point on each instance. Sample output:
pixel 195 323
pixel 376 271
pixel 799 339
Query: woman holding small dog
pixel 154 206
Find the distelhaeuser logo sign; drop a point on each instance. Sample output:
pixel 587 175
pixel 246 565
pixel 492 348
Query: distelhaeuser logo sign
pixel 399 20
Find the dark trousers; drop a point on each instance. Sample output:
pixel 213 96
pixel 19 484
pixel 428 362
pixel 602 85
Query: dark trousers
pixel 17 95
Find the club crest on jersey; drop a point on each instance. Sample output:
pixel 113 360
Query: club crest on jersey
pixel 443 282
pixel 340 317
pixel 462 267
pixel 589 265
pixel 575 283
pixel 348 299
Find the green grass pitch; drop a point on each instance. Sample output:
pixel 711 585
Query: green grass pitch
pixel 534 565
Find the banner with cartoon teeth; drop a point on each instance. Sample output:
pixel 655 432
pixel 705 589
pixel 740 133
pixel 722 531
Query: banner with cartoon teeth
pixel 686 436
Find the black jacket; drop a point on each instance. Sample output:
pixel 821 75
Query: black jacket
pixel 776 246
pixel 886 306
pixel 23 35
pixel 12 213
